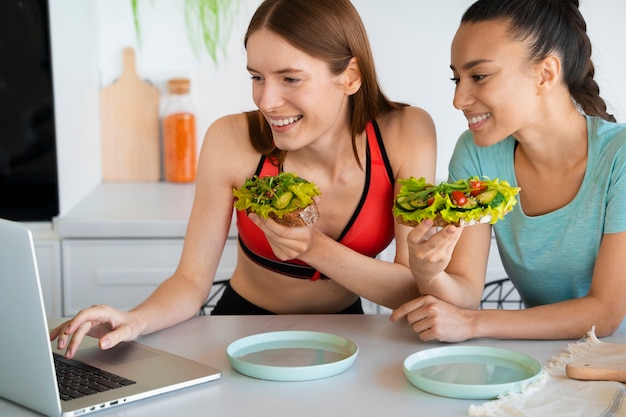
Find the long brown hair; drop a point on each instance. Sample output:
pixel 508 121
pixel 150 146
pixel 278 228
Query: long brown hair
pixel 331 30
pixel 551 26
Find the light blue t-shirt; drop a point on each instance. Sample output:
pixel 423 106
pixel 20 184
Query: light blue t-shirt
pixel 551 257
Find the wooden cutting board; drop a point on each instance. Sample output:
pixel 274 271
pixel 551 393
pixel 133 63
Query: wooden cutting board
pixel 129 117
pixel 596 370
pixel 607 363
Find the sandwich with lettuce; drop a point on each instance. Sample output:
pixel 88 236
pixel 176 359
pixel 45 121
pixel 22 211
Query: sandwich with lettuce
pixel 464 202
pixel 286 198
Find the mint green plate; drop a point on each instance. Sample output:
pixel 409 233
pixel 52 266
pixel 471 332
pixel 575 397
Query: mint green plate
pixel 292 355
pixel 471 372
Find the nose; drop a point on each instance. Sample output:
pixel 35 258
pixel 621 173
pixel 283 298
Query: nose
pixel 267 96
pixel 462 96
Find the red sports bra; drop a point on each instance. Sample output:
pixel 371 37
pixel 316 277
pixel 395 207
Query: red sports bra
pixel 369 231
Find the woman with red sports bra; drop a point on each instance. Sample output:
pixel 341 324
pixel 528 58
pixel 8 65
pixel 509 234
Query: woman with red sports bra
pixel 321 114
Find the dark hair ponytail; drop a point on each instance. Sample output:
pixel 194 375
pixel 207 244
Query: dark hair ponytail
pixel 551 26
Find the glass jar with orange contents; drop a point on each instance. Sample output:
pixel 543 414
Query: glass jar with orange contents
pixel 179 133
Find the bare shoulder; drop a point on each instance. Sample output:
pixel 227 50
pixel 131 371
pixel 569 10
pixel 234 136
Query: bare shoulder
pixel 226 150
pixel 407 124
pixel 410 141
pixel 228 130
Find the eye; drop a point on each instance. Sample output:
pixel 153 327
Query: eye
pixel 290 80
pixel 479 77
pixel 455 80
pixel 255 77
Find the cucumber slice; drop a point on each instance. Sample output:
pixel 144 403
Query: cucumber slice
pixel 486 197
pixel 404 204
pixel 418 204
pixel 284 200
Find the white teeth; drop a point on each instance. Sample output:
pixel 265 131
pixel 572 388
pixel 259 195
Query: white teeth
pixel 284 122
pixel 477 119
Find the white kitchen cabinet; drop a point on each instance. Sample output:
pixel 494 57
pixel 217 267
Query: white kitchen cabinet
pixel 118 272
pixel 123 240
pixel 123 272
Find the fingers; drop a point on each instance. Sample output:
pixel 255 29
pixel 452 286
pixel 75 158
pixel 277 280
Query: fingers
pixel 406 308
pixel 416 315
pixel 115 337
pixel 75 339
pixel 434 319
pixel 422 232
pixel 255 219
pixel 430 250
pixel 69 335
pixel 419 313
pixel 286 242
pixel 96 321
pixel 54 333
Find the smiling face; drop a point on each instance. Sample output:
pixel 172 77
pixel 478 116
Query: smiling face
pixel 298 95
pixel 496 87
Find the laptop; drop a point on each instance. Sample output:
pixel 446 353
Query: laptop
pixel 27 369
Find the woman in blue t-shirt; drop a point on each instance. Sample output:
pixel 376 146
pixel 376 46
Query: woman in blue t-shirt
pixel 524 81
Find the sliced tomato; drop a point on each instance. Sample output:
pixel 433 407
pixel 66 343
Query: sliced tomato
pixel 477 187
pixel 458 198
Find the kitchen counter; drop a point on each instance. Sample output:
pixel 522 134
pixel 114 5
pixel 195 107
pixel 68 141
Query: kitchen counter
pixel 131 210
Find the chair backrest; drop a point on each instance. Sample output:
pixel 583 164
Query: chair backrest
pixel 216 293
pixel 501 294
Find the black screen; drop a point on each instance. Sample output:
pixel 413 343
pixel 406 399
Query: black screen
pixel 28 162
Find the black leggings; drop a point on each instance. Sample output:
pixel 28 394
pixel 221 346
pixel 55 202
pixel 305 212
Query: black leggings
pixel 231 303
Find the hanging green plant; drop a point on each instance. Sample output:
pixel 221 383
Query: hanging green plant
pixel 208 24
pixel 135 6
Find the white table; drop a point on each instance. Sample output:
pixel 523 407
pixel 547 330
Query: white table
pixel 374 386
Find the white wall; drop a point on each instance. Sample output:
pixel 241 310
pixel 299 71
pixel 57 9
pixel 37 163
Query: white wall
pixel 410 39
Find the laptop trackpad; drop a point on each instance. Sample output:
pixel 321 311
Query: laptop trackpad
pixel 119 355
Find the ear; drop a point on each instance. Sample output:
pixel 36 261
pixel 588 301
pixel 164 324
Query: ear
pixel 549 73
pixel 353 77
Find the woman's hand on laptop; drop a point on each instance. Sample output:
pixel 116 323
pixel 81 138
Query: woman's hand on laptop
pixel 109 325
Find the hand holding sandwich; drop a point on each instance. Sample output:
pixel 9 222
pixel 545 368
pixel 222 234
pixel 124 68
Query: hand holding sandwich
pixel 431 249
pixel 286 242
pixel 284 206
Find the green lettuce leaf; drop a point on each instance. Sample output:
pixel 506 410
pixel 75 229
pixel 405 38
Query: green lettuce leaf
pixel 262 195
pixel 413 189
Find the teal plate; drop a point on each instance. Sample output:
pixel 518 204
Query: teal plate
pixel 471 372
pixel 292 355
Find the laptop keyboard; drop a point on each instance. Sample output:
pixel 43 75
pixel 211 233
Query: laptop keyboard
pixel 77 379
